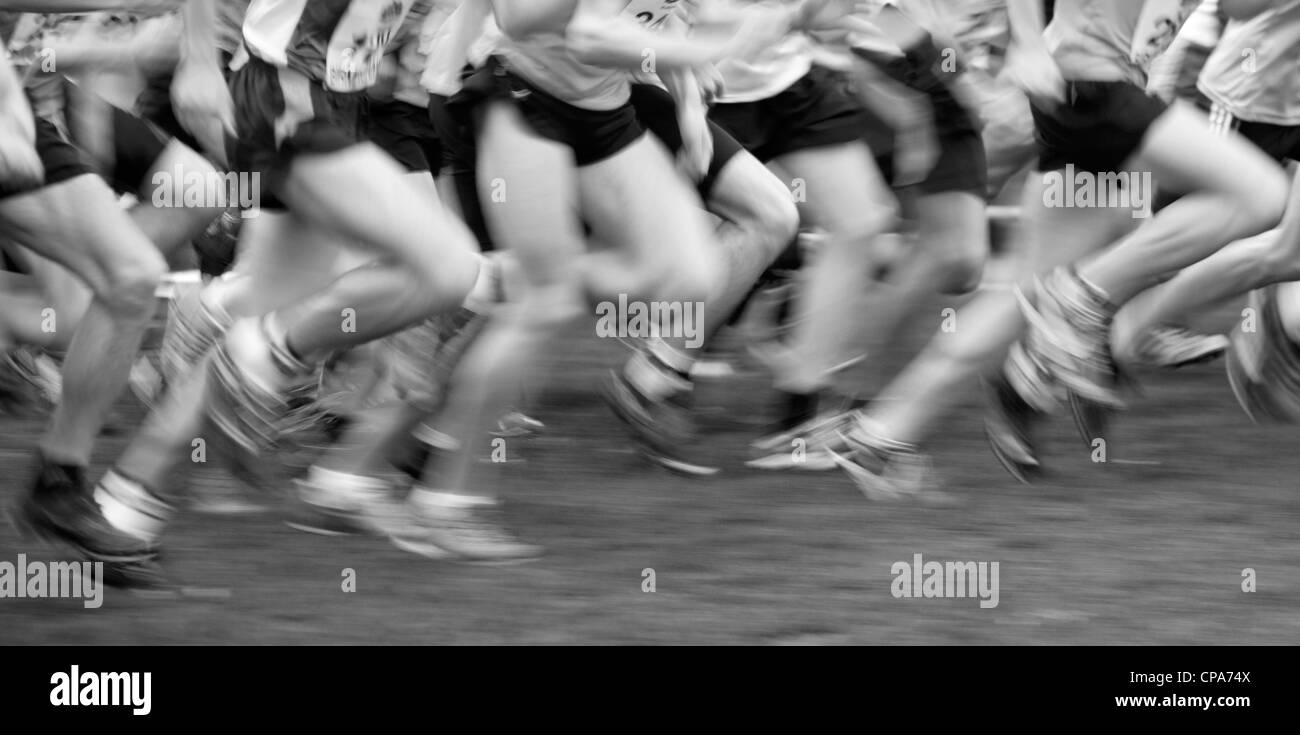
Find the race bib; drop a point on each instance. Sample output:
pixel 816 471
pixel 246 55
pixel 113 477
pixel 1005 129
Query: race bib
pixel 652 13
pixel 1156 28
pixel 356 49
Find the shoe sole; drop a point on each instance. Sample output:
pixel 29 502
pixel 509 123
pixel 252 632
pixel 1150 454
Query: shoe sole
pixel 1019 471
pixel 869 484
pixel 434 552
pixel 29 527
pixel 678 466
pixel 1209 355
pixel 1091 420
pixel 318 529
pixel 816 461
pixel 1240 393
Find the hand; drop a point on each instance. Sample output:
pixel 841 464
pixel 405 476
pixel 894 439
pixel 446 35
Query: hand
pixel 203 106
pixel 20 164
pixel 1037 74
pixel 710 82
pixel 697 144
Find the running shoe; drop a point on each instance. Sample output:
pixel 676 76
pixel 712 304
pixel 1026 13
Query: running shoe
pixel 250 413
pixel 886 470
pixel 1009 426
pixel 664 428
pixel 474 533
pixel 1263 366
pixel 1176 347
pixel 1070 328
pixel 809 446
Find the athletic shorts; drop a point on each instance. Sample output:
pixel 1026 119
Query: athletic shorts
pixel 962 164
pixel 818 110
pixel 137 144
pixel 592 135
pixel 1279 141
pixel 459 160
pixel 459 154
pixel 405 132
pixel 658 113
pixel 1098 127
pixel 280 114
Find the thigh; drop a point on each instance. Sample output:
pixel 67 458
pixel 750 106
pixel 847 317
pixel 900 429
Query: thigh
pixel 953 222
pixel 78 224
pixel 282 260
pixel 1052 236
pixel 637 200
pixel 529 194
pixel 1181 150
pixel 843 189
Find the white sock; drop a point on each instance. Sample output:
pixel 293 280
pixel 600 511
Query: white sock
pixel 675 359
pixel 130 508
pixel 340 489
pixel 484 293
pixel 652 380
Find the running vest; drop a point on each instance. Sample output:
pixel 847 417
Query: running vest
pixel 768 73
pixel 544 59
pixel 339 43
pixel 1113 40
pixel 1252 72
pixel 410 47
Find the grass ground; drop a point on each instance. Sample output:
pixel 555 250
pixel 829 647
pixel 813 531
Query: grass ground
pixel 1146 548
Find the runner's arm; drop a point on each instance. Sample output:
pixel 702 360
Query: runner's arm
pixel 599 34
pixel 20 165
pixel 200 96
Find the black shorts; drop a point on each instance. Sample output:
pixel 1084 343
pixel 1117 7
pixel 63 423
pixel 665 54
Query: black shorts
pixel 459 154
pixel 1279 141
pixel 280 114
pixel 137 145
pixel 1098 128
pixel 658 113
pixel 962 164
pixel 818 110
pixel 405 132
pixel 459 161
pixel 592 135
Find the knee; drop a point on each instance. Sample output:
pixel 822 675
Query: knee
pixel 1281 261
pixel 1264 205
pixel 452 275
pixel 131 279
pixel 862 226
pixel 776 219
pixel 959 270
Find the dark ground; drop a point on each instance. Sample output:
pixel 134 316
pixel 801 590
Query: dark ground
pixel 1147 548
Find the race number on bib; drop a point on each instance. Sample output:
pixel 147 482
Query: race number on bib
pixel 356 49
pixel 652 13
pixel 1156 28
